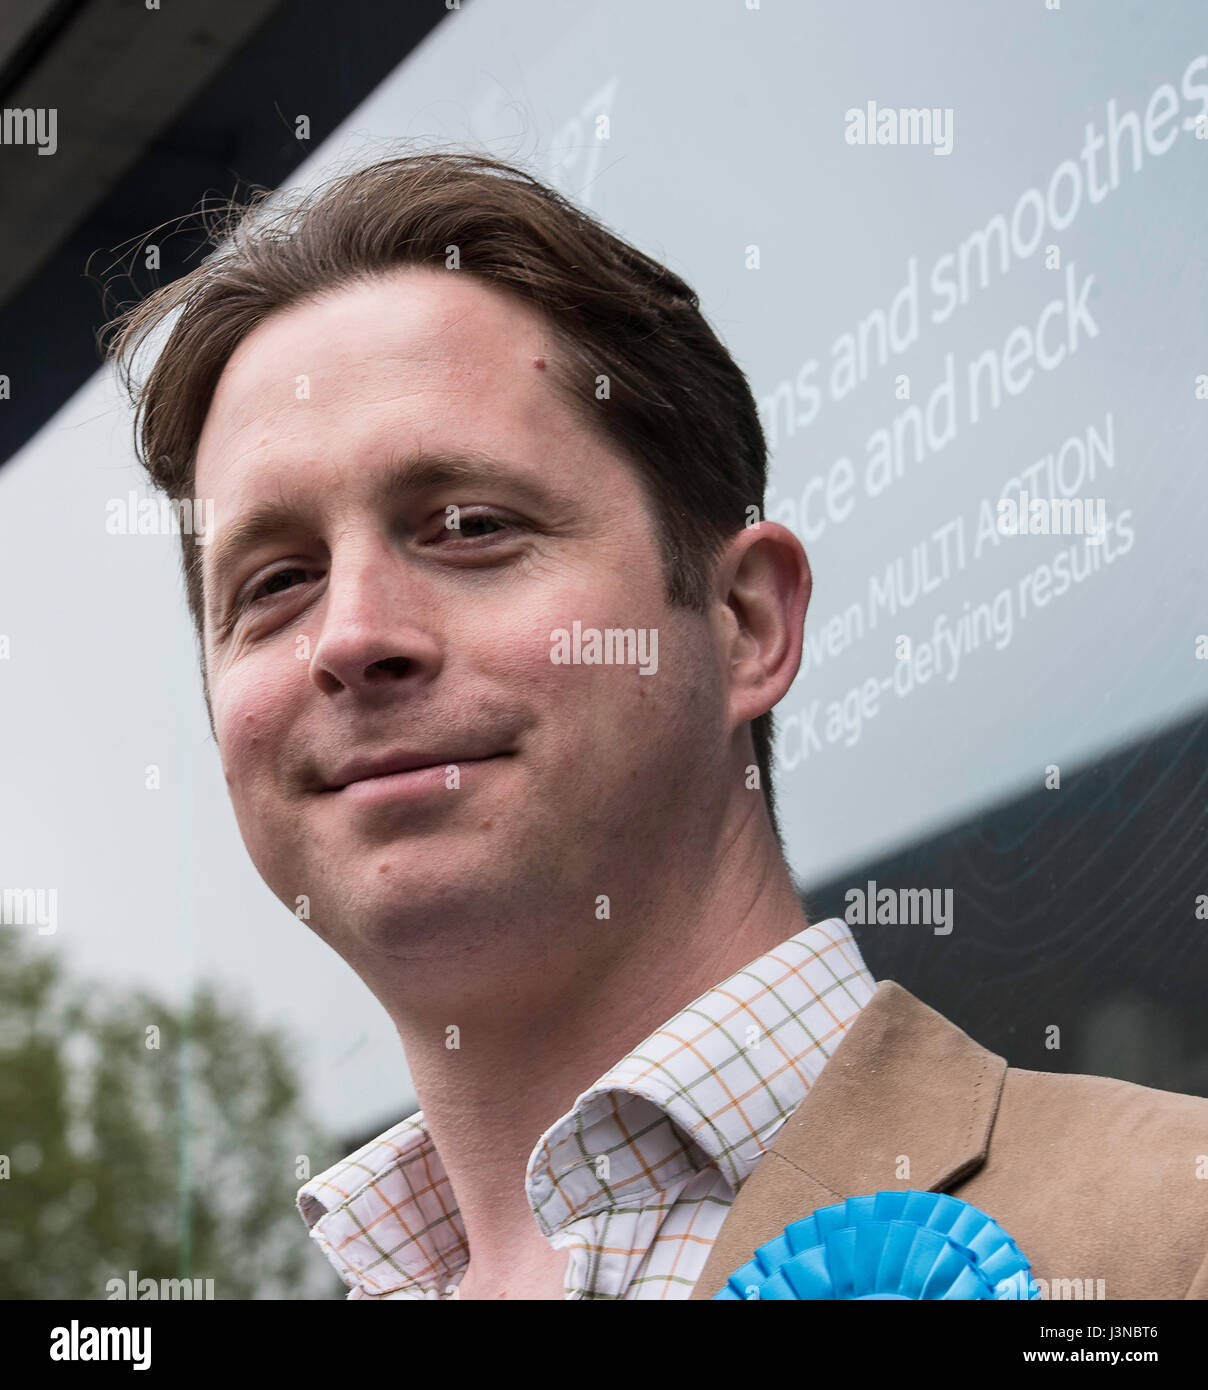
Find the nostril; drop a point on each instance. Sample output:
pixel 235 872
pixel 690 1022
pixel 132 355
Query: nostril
pixel 391 665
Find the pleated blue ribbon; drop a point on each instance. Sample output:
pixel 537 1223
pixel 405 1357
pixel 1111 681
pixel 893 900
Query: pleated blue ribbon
pixel 888 1245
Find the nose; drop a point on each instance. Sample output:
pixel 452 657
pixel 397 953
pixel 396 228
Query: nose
pixel 377 629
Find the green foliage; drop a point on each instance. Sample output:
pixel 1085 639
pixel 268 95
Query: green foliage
pixel 172 1155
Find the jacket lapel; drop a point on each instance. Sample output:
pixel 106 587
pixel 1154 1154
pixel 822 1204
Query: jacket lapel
pixel 907 1100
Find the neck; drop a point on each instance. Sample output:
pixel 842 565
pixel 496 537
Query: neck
pixel 537 1025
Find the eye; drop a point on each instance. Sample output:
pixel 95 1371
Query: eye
pixel 472 526
pixel 268 587
pixel 470 523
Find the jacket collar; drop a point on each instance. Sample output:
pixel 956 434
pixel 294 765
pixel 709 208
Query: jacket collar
pixel 907 1101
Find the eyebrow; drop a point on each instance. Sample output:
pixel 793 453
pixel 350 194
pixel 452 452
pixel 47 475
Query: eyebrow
pixel 403 476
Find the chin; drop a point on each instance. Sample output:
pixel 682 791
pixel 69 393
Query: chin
pixel 401 879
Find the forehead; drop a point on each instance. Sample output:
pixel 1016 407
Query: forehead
pixel 418 359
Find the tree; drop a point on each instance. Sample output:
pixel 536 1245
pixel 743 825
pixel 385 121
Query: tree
pixel 139 1136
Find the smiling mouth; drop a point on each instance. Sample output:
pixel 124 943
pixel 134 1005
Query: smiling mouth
pixel 443 764
pixel 403 780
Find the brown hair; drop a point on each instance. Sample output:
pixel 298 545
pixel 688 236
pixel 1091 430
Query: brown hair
pixel 678 406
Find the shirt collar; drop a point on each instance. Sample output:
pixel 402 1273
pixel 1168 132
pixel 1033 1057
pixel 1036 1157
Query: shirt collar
pixel 711 1087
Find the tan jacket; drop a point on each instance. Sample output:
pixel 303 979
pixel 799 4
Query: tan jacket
pixel 1094 1179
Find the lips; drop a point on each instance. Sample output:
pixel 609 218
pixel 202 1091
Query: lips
pixel 365 769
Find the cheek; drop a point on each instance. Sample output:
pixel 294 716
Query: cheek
pixel 638 710
pixel 251 714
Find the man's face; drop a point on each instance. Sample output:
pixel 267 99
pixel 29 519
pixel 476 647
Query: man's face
pixel 362 627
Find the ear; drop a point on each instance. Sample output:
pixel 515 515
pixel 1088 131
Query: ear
pixel 763 587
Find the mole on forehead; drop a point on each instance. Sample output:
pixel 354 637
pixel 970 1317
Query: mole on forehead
pixel 251 404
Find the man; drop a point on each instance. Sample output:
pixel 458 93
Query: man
pixel 504 738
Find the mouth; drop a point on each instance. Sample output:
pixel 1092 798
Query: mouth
pixel 407 775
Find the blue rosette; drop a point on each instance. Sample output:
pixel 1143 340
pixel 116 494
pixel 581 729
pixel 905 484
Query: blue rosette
pixel 888 1245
